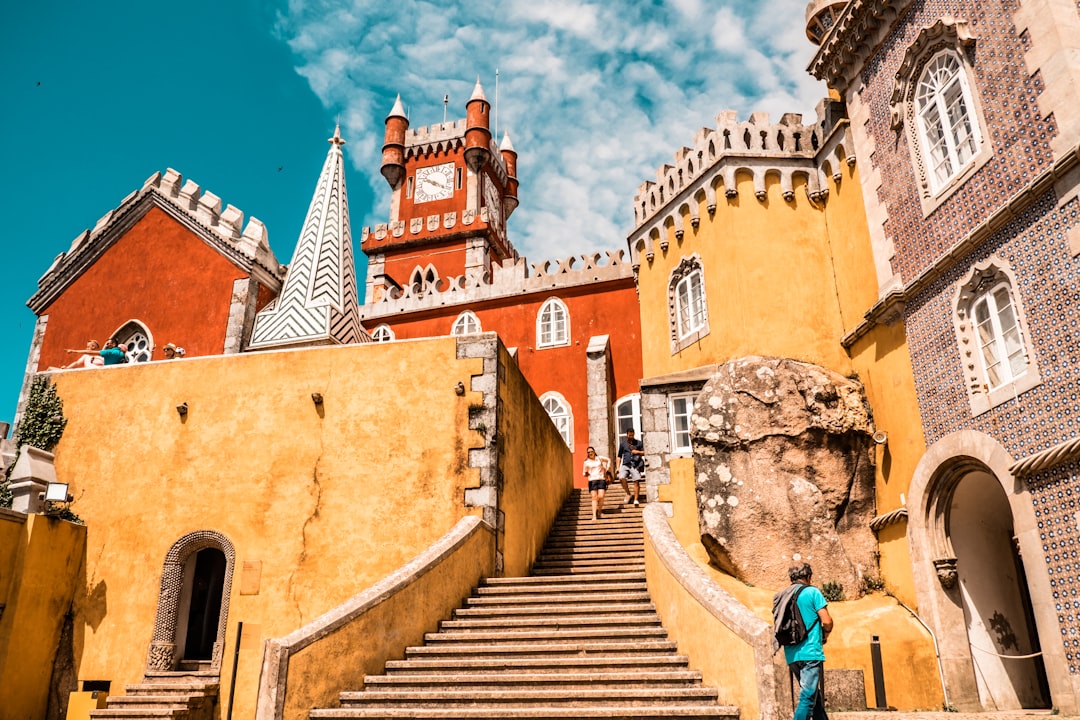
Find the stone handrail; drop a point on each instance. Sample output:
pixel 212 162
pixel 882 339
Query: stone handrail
pixel 373 626
pixel 678 568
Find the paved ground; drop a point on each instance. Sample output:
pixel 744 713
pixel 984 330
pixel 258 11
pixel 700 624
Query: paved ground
pixel 1013 715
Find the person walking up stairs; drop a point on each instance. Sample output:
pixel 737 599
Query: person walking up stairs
pixel 578 638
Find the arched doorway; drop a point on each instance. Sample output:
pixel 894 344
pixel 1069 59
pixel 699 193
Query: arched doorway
pixel 200 605
pixel 980 580
pixel 998 615
pixel 193 606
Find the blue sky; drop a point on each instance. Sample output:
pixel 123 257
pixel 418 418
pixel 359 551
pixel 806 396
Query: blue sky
pixel 240 96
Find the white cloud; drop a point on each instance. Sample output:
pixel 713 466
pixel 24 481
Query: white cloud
pixel 595 96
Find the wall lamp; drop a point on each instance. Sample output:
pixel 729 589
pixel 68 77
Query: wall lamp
pixel 182 409
pixel 880 437
pixel 459 389
pixel 317 398
pixel 55 497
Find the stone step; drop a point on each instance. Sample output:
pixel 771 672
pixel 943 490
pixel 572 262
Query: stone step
pixel 623 633
pixel 562 570
pixel 617 553
pixel 606 679
pixel 607 711
pixel 139 713
pixel 551 580
pixel 575 585
pixel 168 688
pixel 569 598
pixel 531 698
pixel 549 664
pixel 581 620
pixel 582 648
pixel 523 611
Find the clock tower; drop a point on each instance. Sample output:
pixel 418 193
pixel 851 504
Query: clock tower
pixel 452 191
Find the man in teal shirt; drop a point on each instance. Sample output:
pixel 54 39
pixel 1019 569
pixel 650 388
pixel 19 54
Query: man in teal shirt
pixel 806 658
pixel 113 352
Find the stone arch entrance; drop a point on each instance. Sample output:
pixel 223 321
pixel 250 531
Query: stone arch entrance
pixel 980 578
pixel 193 605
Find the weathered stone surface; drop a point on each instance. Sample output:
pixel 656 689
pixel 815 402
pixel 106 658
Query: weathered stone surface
pixel 784 457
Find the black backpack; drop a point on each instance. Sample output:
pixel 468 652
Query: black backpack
pixel 789 629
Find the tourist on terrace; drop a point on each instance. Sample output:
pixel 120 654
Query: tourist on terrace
pixel 88 358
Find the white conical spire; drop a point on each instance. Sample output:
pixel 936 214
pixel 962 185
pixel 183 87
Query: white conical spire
pixel 506 144
pixel 318 301
pixel 478 92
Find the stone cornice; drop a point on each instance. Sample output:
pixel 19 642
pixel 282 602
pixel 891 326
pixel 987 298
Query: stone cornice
pixel 198 212
pixel 857 32
pixel 512 279
pixel 891 307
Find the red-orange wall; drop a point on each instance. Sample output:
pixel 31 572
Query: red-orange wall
pixel 159 273
pixel 593 310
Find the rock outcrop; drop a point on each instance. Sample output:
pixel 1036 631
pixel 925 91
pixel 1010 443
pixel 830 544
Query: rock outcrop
pixel 784 460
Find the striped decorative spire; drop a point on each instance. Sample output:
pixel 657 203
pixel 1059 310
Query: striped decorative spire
pixel 318 301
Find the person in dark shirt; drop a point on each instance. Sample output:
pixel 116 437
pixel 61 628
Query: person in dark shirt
pixel 631 464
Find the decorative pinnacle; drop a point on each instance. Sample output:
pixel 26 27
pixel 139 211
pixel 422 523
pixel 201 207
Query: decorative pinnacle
pixel 506 144
pixel 336 140
pixel 478 91
pixel 397 110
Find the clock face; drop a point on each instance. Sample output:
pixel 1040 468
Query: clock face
pixel 434 183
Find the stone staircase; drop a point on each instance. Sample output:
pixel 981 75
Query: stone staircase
pixel 579 638
pixel 181 695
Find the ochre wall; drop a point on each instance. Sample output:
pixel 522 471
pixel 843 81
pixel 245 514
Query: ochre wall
pixel 769 284
pixel 40 559
pixel 561 369
pixel 159 273
pixel 911 673
pixel 328 501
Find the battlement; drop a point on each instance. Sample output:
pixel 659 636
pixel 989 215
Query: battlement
pixel 756 148
pixel 187 203
pixel 514 276
pixel 445 138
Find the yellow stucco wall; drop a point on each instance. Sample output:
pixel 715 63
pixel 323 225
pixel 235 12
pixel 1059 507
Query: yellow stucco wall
pixel 324 502
pixel 40 559
pixel 769 283
pixel 536 467
pixel 911 673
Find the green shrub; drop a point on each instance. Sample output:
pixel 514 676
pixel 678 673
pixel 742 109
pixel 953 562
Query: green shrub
pixel 833 591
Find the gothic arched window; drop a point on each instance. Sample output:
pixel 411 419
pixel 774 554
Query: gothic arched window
pixel 382 333
pixel 686 304
pixel 559 411
pixel 948 130
pixel 466 324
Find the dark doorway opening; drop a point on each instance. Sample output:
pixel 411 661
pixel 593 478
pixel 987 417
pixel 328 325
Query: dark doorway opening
pixel 204 610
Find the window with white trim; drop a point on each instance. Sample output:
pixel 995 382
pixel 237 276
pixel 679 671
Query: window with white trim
pixel 948 130
pixel 627 416
pixel 687 307
pixel 992 336
pixel 466 324
pixel 559 411
pixel 680 408
pixel 382 333
pixel 552 324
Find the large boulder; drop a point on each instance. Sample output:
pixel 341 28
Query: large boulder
pixel 785 472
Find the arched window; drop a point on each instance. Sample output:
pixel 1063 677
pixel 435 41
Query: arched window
pixel 137 338
pixel 993 337
pixel 686 304
pixel 627 416
pixel 552 324
pixel 466 324
pixel 559 411
pixel 947 127
pixel 382 333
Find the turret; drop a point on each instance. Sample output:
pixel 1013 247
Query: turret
pixel 509 156
pixel 393 152
pixel 477 130
pixel 820 17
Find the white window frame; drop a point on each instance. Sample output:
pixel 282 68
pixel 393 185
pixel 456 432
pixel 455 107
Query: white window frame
pixel 466 324
pixel 624 419
pixel 948 128
pixel 561 414
pixel 383 333
pixel 677 447
pixel 553 324
pixel 139 341
pixel 688 306
pixel 984 286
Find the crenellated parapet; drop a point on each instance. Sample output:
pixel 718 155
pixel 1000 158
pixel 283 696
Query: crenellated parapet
pixel 513 277
pixel 445 138
pixel 201 211
pixel 787 150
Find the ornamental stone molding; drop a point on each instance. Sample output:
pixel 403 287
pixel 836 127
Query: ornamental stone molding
pixel 514 276
pixel 858 31
pixel 161 655
pixel 199 211
pixel 947 32
pixel 946 572
pixel 787 150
